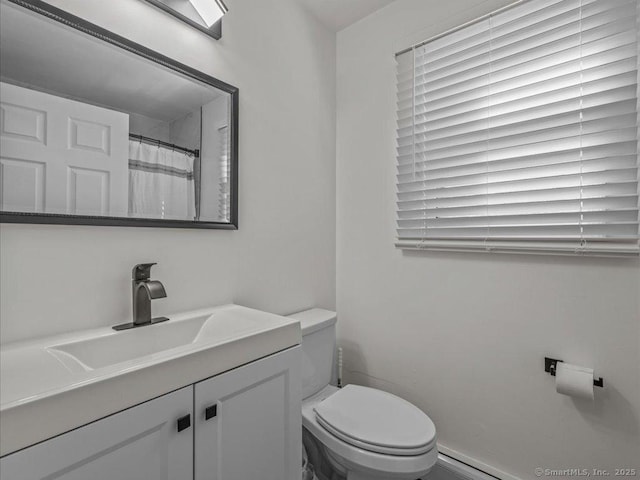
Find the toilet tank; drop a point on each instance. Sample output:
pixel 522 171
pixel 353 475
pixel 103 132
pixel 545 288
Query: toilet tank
pixel 318 348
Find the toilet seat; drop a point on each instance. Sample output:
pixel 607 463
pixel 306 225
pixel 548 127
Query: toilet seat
pixel 376 421
pixel 356 459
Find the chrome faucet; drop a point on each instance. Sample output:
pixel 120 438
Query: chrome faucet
pixel 143 291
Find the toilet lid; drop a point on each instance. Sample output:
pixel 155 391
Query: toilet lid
pixel 376 421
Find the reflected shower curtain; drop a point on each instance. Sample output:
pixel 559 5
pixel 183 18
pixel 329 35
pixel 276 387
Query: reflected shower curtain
pixel 161 182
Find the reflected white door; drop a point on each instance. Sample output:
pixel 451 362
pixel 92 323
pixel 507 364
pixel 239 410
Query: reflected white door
pixel 61 156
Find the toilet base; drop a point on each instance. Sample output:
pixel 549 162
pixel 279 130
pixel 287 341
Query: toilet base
pixel 365 476
pixel 349 471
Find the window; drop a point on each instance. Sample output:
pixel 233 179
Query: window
pixel 519 132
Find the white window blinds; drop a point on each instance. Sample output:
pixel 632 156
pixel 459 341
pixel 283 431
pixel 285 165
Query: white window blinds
pixel 519 132
pixel 224 195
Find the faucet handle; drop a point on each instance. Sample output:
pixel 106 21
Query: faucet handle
pixel 142 271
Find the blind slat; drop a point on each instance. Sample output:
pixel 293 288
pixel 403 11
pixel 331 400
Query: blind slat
pixel 481 197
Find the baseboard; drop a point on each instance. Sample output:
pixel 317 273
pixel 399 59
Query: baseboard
pixel 471 463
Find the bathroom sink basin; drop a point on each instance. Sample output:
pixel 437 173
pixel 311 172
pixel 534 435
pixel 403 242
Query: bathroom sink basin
pixel 159 340
pixel 128 345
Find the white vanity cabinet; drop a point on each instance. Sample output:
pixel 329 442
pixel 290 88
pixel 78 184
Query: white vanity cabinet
pixel 242 424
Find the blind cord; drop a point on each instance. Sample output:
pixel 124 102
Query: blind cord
pixel 488 143
pixel 583 241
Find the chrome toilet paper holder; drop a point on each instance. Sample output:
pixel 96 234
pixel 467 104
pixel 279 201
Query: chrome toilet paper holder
pixel 550 367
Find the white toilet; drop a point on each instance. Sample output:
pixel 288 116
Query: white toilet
pixel 366 433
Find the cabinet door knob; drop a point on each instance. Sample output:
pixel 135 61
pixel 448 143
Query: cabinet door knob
pixel 184 422
pixel 210 412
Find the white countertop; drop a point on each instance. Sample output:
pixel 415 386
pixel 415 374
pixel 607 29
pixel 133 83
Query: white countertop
pixel 41 395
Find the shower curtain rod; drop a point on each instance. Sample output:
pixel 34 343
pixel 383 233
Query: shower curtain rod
pixel 154 141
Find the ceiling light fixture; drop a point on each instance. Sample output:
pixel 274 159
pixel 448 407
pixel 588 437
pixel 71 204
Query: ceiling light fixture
pixel 210 10
pixel 204 15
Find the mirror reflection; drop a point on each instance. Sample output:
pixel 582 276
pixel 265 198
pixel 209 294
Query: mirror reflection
pixel 93 129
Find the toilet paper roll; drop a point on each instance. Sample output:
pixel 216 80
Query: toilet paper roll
pixel 574 380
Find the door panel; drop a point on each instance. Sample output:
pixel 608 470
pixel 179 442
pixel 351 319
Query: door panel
pixel 87 191
pixel 140 443
pixel 255 430
pixel 91 136
pixel 21 185
pixel 23 123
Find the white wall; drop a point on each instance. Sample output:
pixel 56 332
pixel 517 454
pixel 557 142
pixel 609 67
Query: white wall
pixel 464 335
pixel 282 259
pixel 185 131
pixel 149 127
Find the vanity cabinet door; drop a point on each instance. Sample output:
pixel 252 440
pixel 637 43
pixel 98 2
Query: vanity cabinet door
pixel 141 443
pixel 248 421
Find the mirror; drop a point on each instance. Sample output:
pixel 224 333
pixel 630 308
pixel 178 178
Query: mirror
pixel 98 130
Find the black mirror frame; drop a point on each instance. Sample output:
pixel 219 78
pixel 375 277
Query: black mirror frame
pixel 82 25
